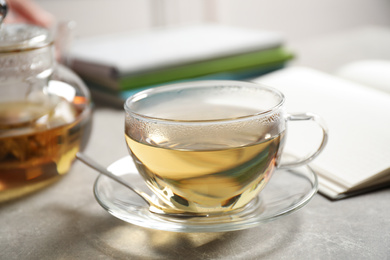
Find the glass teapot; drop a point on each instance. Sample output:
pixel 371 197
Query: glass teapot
pixel 45 110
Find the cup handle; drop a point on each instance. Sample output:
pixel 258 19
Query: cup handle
pixel 317 119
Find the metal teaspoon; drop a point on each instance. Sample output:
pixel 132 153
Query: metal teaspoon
pixel 154 208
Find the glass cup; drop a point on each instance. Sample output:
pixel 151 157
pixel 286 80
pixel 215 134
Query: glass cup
pixel 210 146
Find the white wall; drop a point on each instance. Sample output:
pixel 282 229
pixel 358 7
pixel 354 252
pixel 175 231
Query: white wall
pixel 99 17
pixel 304 18
pixel 298 19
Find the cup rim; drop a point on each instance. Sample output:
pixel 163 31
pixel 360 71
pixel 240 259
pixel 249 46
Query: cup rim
pixel 201 83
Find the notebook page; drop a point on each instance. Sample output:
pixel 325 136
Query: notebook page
pixel 358 119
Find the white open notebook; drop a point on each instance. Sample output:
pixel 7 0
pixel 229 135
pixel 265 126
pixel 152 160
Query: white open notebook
pixel 357 156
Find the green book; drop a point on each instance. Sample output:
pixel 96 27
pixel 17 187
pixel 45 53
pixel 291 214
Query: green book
pixel 247 61
pixel 136 59
pixel 116 98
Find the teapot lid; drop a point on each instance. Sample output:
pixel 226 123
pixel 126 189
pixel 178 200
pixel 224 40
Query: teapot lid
pixel 19 37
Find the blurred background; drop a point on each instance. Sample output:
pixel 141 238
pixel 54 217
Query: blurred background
pixel 323 34
pixel 298 19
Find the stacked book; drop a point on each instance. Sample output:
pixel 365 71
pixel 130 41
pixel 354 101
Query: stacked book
pixel 118 65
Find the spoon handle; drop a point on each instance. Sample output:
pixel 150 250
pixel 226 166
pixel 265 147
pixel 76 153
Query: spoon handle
pixel 154 208
pixel 94 165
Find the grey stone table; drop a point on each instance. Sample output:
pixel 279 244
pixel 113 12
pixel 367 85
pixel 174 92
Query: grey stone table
pixel 64 221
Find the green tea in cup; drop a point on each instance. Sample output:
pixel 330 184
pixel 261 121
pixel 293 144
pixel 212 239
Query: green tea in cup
pixel 209 146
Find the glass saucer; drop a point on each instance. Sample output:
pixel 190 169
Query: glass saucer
pixel 287 191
